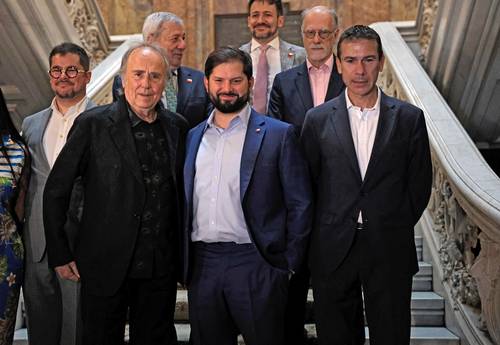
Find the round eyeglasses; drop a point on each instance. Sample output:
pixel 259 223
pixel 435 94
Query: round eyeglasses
pixel 323 34
pixel 70 71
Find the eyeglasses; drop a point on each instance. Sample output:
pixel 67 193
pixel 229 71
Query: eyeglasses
pixel 323 34
pixel 70 71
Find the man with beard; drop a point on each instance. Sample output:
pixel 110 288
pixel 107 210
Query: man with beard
pixel 52 305
pixel 248 212
pixel 270 54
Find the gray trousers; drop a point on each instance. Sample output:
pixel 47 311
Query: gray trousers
pixel 52 306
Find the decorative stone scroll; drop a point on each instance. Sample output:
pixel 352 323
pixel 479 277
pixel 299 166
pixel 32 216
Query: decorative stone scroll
pixel 428 19
pixel 89 25
pixel 470 258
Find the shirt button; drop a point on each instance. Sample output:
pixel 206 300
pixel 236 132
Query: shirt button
pixel 212 222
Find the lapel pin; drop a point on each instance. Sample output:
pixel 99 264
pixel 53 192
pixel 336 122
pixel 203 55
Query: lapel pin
pixel 257 130
pixel 189 80
pixel 290 54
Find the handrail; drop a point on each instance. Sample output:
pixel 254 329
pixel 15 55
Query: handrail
pixel 464 211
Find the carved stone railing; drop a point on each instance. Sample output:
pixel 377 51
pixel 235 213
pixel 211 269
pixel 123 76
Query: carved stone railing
pixel 100 86
pixel 462 221
pixel 89 24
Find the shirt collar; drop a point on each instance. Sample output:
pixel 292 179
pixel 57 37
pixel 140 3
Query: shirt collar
pixel 134 119
pixel 274 44
pixel 242 117
pixel 376 106
pixel 328 64
pixel 74 109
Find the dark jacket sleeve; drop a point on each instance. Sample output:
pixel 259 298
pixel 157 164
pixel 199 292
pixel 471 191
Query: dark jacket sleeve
pixel 275 107
pixel 58 191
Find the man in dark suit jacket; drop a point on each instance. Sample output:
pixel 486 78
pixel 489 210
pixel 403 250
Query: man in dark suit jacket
pixel 129 155
pixel 185 93
pixel 292 94
pixel 291 97
pixel 248 212
pixel 370 160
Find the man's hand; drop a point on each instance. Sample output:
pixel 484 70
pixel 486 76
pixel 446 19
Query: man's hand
pixel 68 271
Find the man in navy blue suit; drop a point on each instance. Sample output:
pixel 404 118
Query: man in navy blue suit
pixel 184 93
pixel 248 212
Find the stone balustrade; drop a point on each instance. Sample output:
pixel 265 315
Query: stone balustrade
pixel 462 221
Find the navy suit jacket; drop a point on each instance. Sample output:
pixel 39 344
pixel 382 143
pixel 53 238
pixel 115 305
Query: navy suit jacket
pixel 291 95
pixel 192 100
pixel 275 191
pixel 391 197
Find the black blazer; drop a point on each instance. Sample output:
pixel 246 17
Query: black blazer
pixel 101 150
pixel 291 95
pixel 392 196
pixel 192 100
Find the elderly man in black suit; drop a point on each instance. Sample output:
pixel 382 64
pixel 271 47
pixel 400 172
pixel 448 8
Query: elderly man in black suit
pixel 316 80
pixel 370 161
pixel 129 155
pixel 294 92
pixel 184 92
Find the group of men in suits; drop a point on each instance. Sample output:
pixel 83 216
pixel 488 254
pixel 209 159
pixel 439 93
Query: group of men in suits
pixel 332 181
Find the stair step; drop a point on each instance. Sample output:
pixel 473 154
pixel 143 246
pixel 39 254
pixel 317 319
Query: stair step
pixel 419 335
pixel 422 281
pixel 419 245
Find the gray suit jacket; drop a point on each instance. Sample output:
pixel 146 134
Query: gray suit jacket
pixel 33 129
pixel 290 54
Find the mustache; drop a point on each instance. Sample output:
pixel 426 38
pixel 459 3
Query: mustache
pixel 263 25
pixel 64 81
pixel 227 94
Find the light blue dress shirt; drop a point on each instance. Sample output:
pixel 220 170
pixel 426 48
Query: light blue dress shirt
pixel 218 214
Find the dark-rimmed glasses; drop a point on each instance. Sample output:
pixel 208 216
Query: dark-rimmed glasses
pixel 70 71
pixel 323 34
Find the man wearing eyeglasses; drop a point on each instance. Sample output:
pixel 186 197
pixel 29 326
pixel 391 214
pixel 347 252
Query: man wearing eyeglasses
pixel 270 54
pixel 315 81
pixel 52 303
pixel 294 92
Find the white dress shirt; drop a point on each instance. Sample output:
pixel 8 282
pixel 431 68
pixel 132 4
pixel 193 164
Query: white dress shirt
pixel 363 129
pixel 217 211
pixel 273 60
pixel 58 128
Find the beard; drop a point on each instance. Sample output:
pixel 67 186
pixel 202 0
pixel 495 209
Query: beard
pixel 67 94
pixel 230 107
pixel 265 35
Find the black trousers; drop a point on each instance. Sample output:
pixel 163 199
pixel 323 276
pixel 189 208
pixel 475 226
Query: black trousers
pixel 150 304
pixel 232 291
pixel 338 301
pixel 296 307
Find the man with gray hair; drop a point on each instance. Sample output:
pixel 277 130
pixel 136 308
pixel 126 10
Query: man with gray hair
pixel 294 92
pixel 184 92
pixel 130 155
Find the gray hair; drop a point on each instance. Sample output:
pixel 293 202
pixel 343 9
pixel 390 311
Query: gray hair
pixel 144 45
pixel 319 9
pixel 152 27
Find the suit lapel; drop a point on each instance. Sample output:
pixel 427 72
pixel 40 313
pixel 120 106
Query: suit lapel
pixel 185 88
pixel 342 128
pixel 44 121
pixel 335 84
pixel 287 56
pixel 190 163
pixel 304 87
pixel 121 134
pixel 253 140
pixel 385 126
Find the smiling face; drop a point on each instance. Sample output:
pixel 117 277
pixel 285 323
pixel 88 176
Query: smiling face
pixel 69 88
pixel 360 65
pixel 144 80
pixel 228 87
pixel 319 49
pixel 173 40
pixel 263 21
